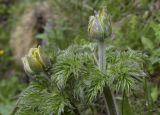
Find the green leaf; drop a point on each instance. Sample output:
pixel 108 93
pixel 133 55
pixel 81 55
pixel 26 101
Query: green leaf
pixel 147 43
pixel 154 93
pixel 6 109
pixel 42 36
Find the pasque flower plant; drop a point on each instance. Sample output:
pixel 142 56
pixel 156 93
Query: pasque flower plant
pixel 76 77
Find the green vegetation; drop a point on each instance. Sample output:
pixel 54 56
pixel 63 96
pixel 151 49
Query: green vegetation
pixel 73 84
pixel 74 81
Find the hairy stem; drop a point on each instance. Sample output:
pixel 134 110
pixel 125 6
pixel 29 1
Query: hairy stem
pixel 109 98
pixel 102 56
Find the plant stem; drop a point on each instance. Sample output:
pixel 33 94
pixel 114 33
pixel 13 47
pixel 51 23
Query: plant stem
pixel 109 98
pixel 102 56
pixel 126 108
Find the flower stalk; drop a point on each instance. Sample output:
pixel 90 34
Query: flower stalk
pixel 111 106
pixel 102 56
pixel 99 29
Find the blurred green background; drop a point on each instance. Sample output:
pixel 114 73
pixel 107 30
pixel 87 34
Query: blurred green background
pixel 24 24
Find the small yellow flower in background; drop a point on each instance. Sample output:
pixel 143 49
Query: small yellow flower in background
pixel 36 61
pixel 1 52
pixel 99 27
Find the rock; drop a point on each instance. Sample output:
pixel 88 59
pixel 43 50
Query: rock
pixel 32 22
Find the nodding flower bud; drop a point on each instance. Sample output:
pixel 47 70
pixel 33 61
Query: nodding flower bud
pixel 99 27
pixel 36 61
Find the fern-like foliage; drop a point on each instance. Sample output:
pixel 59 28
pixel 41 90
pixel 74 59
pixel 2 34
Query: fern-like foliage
pixel 41 99
pixel 125 69
pixel 76 80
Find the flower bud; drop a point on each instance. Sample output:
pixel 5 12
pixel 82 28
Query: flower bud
pixel 99 26
pixel 36 61
pixel 31 66
pixel 40 56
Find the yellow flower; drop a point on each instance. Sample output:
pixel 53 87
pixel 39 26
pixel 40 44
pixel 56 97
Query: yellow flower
pixel 36 61
pixel 1 52
pixel 99 26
